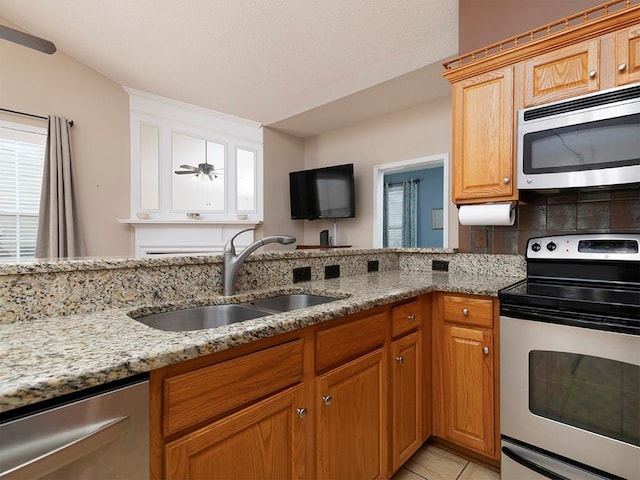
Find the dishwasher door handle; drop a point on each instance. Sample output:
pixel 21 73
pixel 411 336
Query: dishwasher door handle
pixel 58 457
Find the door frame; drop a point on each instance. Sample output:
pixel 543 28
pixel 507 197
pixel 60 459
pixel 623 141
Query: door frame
pixel 409 165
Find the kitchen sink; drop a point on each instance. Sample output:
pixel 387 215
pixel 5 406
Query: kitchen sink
pixel 286 303
pixel 199 318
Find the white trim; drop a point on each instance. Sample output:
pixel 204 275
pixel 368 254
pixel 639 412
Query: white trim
pixel 405 165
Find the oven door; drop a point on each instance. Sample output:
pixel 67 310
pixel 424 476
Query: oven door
pixel 573 392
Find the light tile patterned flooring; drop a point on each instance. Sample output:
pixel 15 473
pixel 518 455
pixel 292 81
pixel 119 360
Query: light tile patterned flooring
pixel 433 463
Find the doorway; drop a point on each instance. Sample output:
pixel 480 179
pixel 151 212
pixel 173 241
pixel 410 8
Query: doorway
pixel 431 214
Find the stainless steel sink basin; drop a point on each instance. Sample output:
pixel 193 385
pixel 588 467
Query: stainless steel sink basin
pixel 199 318
pixel 286 303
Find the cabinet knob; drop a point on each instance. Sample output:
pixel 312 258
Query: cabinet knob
pixel 592 73
pixel 302 412
pixel 485 350
pixel 400 359
pixel 327 400
pixel 622 67
pixel 411 317
pixel 506 180
pixel 465 312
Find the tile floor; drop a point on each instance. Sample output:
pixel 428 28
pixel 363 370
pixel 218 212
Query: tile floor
pixel 433 463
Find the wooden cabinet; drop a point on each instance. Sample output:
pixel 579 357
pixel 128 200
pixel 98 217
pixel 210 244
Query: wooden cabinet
pixel 627 63
pixel 483 138
pixel 265 440
pixel 466 399
pixel 351 435
pixel 603 62
pixel 563 73
pixel 407 406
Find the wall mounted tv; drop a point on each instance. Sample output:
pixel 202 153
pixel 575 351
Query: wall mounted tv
pixel 322 193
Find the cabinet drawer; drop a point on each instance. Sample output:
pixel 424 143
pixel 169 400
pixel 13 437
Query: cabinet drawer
pixel 406 317
pixel 347 341
pixel 208 392
pixel 469 310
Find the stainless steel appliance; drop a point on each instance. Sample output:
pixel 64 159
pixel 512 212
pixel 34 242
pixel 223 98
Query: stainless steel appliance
pixel 570 360
pixel 586 141
pixel 101 434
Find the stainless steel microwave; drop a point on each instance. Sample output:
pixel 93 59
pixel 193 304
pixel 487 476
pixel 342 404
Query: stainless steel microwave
pixel 585 141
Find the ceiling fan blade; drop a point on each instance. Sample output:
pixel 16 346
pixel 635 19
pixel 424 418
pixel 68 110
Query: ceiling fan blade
pixel 190 167
pixel 27 40
pixel 180 172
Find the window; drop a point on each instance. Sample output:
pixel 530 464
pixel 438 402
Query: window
pixel 22 149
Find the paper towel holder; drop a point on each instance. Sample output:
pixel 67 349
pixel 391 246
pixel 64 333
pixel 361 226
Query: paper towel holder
pixel 488 213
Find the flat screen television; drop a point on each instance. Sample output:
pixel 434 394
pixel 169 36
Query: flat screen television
pixel 326 192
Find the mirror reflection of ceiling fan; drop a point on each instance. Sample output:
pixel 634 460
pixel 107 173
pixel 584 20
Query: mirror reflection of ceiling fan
pixel 204 171
pixel 27 40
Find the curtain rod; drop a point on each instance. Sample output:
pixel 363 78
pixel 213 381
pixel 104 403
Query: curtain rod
pixel 30 115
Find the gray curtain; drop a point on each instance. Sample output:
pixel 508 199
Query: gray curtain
pixel 400 214
pixel 59 232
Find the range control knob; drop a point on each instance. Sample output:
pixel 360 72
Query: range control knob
pixel 536 247
pixel 551 246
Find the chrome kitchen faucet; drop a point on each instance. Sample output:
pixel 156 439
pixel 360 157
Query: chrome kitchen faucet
pixel 233 262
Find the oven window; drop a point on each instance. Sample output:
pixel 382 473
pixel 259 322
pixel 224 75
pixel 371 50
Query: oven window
pixel 591 393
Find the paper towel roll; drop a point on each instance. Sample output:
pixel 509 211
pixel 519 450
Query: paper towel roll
pixel 487 214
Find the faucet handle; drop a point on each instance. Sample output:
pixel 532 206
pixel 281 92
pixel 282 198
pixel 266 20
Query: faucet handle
pixel 229 246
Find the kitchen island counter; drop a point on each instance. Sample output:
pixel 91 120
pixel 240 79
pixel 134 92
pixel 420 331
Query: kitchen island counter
pixel 48 357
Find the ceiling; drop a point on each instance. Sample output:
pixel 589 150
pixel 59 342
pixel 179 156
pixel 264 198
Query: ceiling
pixel 304 66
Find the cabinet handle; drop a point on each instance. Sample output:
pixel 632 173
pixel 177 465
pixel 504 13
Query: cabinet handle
pixel 592 73
pixel 400 359
pixel 465 312
pixel 327 400
pixel 485 350
pixel 302 412
pixel 506 180
pixel 622 67
pixel 411 317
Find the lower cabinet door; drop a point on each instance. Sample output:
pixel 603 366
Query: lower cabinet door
pixel 351 420
pixel 468 387
pixel 264 440
pixel 407 405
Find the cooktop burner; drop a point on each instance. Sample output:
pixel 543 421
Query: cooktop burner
pixel 590 280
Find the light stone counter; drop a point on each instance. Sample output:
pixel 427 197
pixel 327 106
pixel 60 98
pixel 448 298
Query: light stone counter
pixel 48 357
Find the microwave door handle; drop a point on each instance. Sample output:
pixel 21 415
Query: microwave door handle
pixel 71 451
pixel 533 466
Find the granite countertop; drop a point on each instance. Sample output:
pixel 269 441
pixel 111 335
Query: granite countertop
pixel 45 358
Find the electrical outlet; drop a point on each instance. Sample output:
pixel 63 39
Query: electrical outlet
pixel 440 266
pixel 302 274
pixel 373 266
pixel 331 271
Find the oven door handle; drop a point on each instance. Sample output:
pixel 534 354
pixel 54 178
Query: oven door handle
pixel 533 466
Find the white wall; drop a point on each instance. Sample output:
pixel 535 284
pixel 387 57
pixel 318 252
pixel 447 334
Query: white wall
pixel 416 132
pixel 283 153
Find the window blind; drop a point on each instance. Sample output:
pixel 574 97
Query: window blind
pixel 395 205
pixel 22 150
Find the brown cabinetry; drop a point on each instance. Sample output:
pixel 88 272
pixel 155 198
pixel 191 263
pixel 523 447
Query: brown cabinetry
pixel 466 372
pixel 483 138
pixel 351 434
pixel 603 62
pixel 265 440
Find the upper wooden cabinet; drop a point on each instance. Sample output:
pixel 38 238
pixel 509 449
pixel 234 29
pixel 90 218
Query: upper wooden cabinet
pixel 627 62
pixel 567 72
pixel 604 62
pixel 483 135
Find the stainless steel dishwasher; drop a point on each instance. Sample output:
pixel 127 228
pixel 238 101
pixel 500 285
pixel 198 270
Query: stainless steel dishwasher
pixel 101 433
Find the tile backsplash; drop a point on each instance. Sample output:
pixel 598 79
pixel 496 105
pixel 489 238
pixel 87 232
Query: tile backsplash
pixel 600 210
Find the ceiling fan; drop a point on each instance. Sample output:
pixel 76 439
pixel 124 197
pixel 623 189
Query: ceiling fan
pixel 27 40
pixel 204 171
